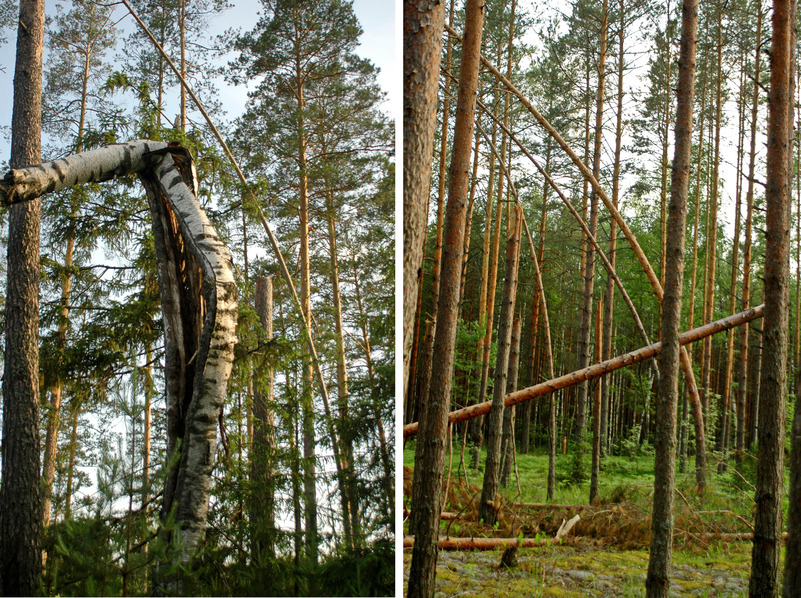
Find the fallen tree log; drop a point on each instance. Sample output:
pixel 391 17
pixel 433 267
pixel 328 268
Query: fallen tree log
pixel 449 543
pixel 598 369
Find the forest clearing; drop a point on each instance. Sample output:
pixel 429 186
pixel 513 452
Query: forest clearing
pixel 198 218
pixel 602 264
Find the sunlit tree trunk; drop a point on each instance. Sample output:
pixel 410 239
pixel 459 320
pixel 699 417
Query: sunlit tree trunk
pixel 423 21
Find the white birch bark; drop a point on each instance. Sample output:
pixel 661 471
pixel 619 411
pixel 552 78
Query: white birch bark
pixel 199 305
pixel 197 380
pixel 94 166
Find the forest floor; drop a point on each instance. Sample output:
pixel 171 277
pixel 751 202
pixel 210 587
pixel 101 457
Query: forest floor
pixel 606 553
pixel 577 571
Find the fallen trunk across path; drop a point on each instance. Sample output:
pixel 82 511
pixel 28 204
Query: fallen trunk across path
pixel 598 369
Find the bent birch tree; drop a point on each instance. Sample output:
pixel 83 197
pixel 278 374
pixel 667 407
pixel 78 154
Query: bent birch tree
pixel 199 306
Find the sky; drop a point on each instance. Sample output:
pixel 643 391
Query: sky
pixel 377 18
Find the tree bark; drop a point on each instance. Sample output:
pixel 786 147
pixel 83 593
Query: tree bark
pixel 589 268
pixel 422 44
pixel 508 440
pixel 430 449
pixel 742 365
pixel 505 325
pixel 657 583
pixel 770 460
pixel 263 448
pixel 198 295
pixel 20 491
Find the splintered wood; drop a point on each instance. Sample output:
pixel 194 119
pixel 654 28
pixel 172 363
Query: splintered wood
pixel 199 305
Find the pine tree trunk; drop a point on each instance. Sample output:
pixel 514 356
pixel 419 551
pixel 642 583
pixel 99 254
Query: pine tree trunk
pixel 609 299
pixel 263 447
pixel 595 470
pixel 486 511
pixel 20 491
pixel 351 528
pixel 423 21
pixel 430 448
pixel 711 241
pixel 597 370
pixel 723 438
pixel 657 583
pixel 770 460
pixel 508 439
pixel 589 271
pixel 742 364
pixel 665 145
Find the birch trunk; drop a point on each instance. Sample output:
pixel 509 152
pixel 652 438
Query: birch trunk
pixel 263 448
pixel 198 296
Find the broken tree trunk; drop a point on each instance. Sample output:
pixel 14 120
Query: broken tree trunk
pixel 598 369
pixel 198 297
pixel 199 306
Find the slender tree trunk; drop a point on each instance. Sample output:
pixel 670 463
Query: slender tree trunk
pixel 596 410
pixel 422 44
pixel 75 411
pixel 694 269
pixel 711 241
pixel 486 511
pixel 665 142
pixel 182 32
pixel 51 441
pixel 20 491
pixel 609 299
pixel 770 460
pixel 589 271
pixel 351 496
pixel 307 402
pixel 508 439
pixel 723 439
pixel 263 447
pixel 657 583
pixel 742 366
pixel 430 448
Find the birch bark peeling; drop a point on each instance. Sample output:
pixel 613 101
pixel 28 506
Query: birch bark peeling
pixel 598 369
